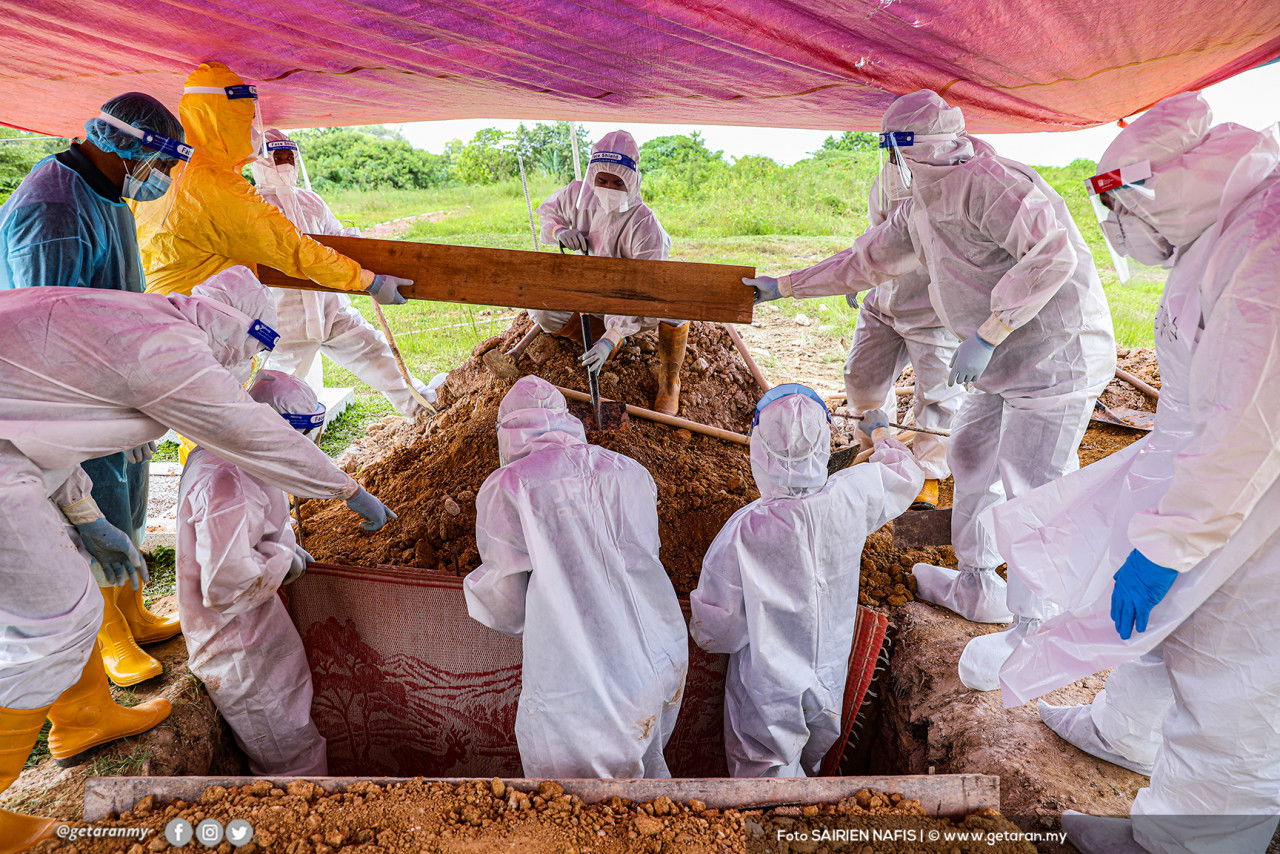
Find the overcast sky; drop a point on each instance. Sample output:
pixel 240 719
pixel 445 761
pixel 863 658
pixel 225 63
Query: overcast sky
pixel 1249 99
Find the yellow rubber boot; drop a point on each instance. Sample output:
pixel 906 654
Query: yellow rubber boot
pixel 18 731
pixel 672 341
pixel 86 716
pixel 125 661
pixel 145 626
pixel 928 497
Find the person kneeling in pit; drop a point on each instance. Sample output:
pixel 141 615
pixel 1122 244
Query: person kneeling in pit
pixel 568 536
pixel 603 215
pixel 779 585
pixel 236 547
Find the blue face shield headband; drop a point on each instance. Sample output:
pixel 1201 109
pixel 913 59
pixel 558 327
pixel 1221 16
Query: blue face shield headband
pixel 166 147
pixel 264 333
pixel 786 390
pixel 239 92
pixel 305 421
pixel 613 158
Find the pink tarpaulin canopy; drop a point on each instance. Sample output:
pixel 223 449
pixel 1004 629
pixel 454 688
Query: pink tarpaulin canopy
pixel 1013 65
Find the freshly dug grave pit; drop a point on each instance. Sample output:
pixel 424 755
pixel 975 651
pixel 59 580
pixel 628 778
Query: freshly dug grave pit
pixel 429 471
pixel 474 816
pixel 927 721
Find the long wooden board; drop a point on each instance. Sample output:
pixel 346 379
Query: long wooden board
pixel 521 279
pixel 949 795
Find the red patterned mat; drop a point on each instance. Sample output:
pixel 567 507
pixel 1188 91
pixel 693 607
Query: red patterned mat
pixel 407 684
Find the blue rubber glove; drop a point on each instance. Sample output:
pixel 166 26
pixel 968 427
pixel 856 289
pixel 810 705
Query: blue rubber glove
pixel 1140 585
pixel 385 290
pixel 970 360
pixel 375 513
pixel 115 552
pixel 595 358
pixel 873 419
pixel 765 287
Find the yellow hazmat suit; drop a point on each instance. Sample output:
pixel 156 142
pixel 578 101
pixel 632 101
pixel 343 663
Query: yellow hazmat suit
pixel 212 219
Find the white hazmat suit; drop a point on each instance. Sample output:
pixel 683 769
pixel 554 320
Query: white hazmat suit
pixel 235 547
pixel 779 587
pixel 1007 264
pixel 897 325
pixel 632 232
pixel 84 374
pixel 316 323
pixel 1199 495
pixel 568 536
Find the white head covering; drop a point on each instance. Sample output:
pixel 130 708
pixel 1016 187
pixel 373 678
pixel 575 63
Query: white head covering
pixel 238 298
pixel 1191 161
pixel 790 447
pixel 617 154
pixel 278 181
pixel 532 413
pixel 284 393
pixel 926 114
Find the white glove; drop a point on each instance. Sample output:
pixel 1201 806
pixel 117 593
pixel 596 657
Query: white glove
pixel 301 557
pixel 385 290
pixel 595 358
pixel 573 240
pixel 142 453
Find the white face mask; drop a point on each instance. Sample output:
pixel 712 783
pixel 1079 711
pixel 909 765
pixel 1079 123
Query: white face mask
pixel 613 201
pixel 1136 238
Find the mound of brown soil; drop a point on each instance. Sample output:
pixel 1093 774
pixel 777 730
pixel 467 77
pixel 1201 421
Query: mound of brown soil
pixel 429 471
pixel 477 816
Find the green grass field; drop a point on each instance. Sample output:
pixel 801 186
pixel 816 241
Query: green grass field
pixel 753 213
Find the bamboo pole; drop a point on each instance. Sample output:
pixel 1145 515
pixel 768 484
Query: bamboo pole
pixel 669 420
pixel 746 357
pixel 1149 390
pixel 395 351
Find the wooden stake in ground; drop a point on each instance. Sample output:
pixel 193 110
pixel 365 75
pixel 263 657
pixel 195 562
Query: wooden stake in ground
pixel 547 280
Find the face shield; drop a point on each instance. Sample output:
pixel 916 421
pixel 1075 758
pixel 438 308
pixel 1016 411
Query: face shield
pixel 1124 232
pixel 281 164
pixel 241 92
pixel 790 441
pixel 786 389
pixel 147 178
pixel 605 172
pixel 309 424
pixel 895 173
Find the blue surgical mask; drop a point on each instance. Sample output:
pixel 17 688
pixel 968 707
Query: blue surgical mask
pixel 156 185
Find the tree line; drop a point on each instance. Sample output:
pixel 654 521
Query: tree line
pixel 376 157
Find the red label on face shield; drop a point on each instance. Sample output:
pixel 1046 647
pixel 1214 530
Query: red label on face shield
pixel 1133 173
pixel 1100 184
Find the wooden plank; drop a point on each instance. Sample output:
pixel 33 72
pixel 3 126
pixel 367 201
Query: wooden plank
pixel 949 795
pixel 551 280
